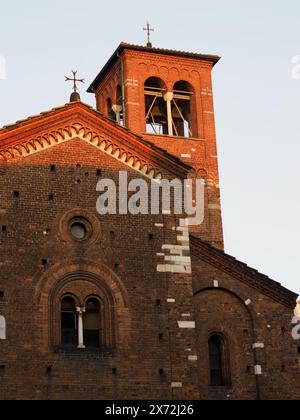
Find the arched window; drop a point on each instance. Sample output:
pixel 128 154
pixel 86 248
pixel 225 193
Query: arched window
pixel 68 322
pixel 2 328
pixel 155 107
pixel 181 109
pixel 91 324
pixel 110 112
pixel 219 361
pixel 119 106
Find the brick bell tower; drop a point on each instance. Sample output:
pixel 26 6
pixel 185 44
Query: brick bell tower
pixel 166 97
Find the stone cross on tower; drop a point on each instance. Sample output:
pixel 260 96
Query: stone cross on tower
pixel 149 30
pixel 75 95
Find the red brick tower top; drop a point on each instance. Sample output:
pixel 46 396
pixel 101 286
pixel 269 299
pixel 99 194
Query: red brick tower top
pixel 166 97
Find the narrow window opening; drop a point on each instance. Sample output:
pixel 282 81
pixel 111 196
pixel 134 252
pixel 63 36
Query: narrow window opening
pixel 110 112
pixel 219 362
pixel 16 194
pixel 68 322
pixel 181 109
pixel 1 296
pixel 52 168
pixel 4 229
pixel 118 108
pixel 155 107
pixel 91 324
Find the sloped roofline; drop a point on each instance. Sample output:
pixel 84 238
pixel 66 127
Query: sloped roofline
pixel 242 272
pixel 123 46
pixel 170 162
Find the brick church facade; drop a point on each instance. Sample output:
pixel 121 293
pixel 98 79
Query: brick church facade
pixel 130 306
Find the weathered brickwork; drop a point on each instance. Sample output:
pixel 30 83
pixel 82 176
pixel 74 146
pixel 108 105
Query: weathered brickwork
pixel 164 289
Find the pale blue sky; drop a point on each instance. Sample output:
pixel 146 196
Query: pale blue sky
pixel 257 101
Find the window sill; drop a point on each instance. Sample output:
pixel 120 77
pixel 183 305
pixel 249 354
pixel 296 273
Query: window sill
pixel 221 388
pixel 173 137
pixel 68 351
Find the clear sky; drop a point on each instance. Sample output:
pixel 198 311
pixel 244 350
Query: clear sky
pixel 256 98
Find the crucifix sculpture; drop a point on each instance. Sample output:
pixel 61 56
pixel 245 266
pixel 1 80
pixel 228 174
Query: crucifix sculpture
pixel 74 80
pixel 75 95
pixel 148 29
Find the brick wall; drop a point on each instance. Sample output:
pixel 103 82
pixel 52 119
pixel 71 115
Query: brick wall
pixel 39 263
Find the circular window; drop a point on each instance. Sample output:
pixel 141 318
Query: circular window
pixel 80 229
pixel 79 226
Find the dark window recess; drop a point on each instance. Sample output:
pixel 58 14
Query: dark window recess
pixel 51 197
pixel 49 369
pixel 219 362
pixel 161 372
pixel 52 168
pixel 44 263
pixel 1 295
pixel 114 371
pixel 99 172
pixel 91 324
pixel 4 229
pixel 16 194
pixel 151 236
pixel 68 322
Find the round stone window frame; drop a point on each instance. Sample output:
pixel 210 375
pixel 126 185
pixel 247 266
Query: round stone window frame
pixel 87 219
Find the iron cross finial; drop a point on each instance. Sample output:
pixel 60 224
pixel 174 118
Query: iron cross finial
pixel 74 80
pixel 148 29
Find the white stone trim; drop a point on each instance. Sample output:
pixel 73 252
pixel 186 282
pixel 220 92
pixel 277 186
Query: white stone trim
pixel 248 302
pixel 258 346
pixel 2 328
pixel 216 283
pixel 193 358
pixel 258 370
pixel 171 300
pixel 176 384
pixel 187 324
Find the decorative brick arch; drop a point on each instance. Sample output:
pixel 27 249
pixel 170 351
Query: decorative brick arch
pixel 235 322
pixel 82 278
pixel 77 130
